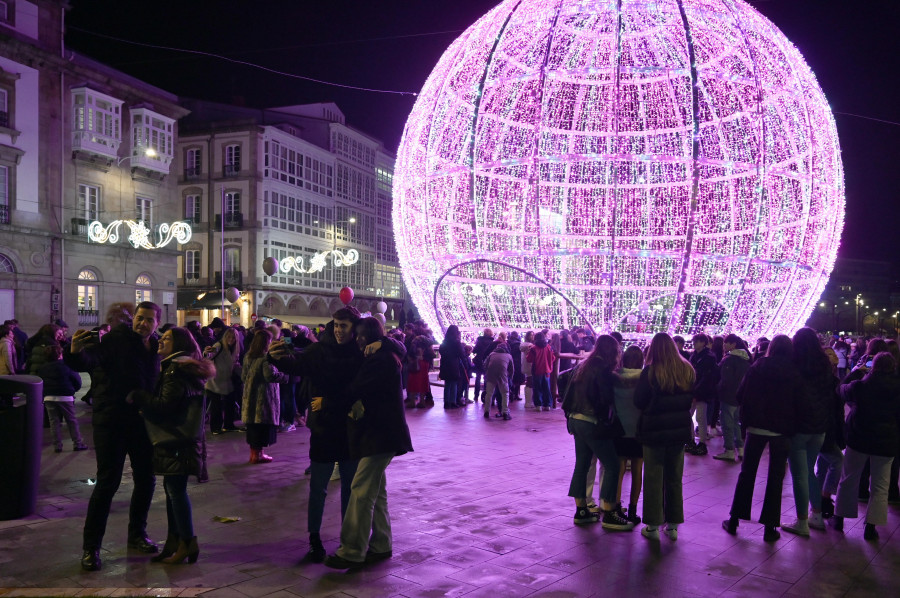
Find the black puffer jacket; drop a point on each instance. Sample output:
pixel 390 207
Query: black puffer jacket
pixel 180 384
pixel 817 402
pixel 382 428
pixel 59 379
pixel 873 425
pixel 119 364
pixel 770 395
pixel 591 392
pixel 707 368
pixel 665 417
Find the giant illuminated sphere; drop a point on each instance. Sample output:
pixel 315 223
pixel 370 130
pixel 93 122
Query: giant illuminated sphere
pixel 645 166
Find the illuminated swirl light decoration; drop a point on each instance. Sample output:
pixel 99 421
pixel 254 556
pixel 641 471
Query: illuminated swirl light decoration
pixel 139 234
pixel 318 261
pixel 641 166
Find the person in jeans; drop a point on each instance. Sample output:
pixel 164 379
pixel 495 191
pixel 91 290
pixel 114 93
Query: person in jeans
pixel 707 369
pixel 225 355
pixel 589 404
pixel 873 436
pixel 480 352
pixel 183 374
pixel 377 433
pixel 60 386
pixel 541 358
pixel 769 398
pixel 732 370
pixel 820 387
pixel 663 395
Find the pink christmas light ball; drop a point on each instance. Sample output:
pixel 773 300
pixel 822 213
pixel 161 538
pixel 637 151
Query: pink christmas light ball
pixel 671 165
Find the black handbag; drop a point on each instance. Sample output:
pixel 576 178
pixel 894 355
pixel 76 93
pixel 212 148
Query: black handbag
pixel 184 428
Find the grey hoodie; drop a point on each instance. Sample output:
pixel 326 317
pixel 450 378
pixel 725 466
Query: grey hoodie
pixel 731 373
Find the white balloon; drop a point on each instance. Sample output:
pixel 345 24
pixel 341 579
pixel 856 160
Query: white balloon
pixel 232 294
pixel 379 317
pixel 381 307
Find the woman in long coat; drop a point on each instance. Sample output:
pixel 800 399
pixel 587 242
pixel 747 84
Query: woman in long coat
pixel 176 448
pixel 261 405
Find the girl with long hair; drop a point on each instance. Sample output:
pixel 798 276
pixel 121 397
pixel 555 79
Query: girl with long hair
pixel 590 419
pixel 664 396
pixel 178 390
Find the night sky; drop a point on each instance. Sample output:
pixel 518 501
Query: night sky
pixel 853 46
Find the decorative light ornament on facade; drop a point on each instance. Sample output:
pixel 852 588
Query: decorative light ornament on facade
pixel 139 234
pixel 318 261
pixel 642 166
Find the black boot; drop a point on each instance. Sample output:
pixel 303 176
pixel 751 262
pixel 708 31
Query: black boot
pixel 90 560
pixel 316 552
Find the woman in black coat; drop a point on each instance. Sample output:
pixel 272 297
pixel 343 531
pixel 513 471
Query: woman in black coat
pixel 169 413
pixel 452 371
pixel 664 396
pixel 769 397
pixel 378 433
pixel 873 436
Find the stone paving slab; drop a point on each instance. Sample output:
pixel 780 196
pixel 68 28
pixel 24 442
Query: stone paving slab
pixel 479 509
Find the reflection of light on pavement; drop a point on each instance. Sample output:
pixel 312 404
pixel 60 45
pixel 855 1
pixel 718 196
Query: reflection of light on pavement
pixel 89 482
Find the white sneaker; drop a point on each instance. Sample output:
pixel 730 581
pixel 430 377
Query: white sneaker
pixel 740 453
pixel 799 527
pixel 815 521
pixel 672 532
pixel 650 534
pixel 726 456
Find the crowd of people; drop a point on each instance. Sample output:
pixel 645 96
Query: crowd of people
pixel 827 409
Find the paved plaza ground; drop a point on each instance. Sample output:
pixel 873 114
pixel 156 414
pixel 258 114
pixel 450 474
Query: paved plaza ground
pixel 479 509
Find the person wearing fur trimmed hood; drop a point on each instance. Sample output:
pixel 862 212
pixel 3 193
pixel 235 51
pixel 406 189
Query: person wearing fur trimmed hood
pixel 181 383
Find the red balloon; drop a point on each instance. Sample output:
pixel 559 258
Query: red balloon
pixel 346 295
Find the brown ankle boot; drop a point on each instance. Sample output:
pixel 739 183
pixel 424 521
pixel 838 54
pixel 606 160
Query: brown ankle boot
pixel 189 551
pixel 254 455
pixel 168 550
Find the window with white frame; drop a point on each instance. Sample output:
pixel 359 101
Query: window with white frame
pixel 192 208
pixel 87 293
pixel 5 12
pixel 6 265
pixel 152 131
pixel 89 202
pixel 143 292
pixel 232 260
pixel 192 163
pixel 232 159
pixel 232 203
pixel 97 121
pixel 4 187
pixel 144 211
pixel 192 264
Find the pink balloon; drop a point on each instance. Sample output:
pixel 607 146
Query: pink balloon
pixel 346 295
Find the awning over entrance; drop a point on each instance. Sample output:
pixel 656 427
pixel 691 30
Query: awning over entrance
pixel 191 299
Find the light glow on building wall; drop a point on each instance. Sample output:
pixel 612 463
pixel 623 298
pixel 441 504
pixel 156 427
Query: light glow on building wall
pixel 644 166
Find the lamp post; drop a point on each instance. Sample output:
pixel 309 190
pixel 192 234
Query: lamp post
pixel 857 324
pixel 350 220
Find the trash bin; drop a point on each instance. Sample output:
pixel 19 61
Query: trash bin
pixel 21 433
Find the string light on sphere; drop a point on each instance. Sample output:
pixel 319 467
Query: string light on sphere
pixel 641 166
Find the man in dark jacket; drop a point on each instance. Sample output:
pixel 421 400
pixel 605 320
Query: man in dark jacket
pixel 479 353
pixel 731 373
pixel 378 433
pixel 704 363
pixel 124 360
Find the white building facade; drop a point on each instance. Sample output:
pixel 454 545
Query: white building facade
pixel 296 184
